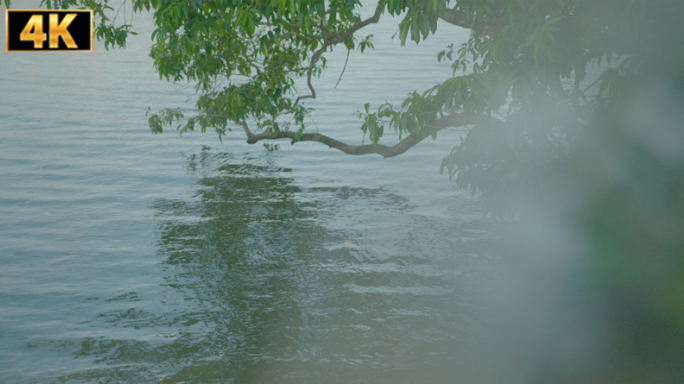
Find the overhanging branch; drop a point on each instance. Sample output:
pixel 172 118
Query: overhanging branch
pixel 456 17
pixel 453 120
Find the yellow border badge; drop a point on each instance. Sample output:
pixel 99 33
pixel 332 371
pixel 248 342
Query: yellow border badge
pixel 49 30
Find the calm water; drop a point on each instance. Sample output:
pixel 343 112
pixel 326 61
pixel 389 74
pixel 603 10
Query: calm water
pixel 128 257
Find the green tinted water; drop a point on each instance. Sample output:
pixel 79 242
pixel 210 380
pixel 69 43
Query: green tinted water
pixel 127 257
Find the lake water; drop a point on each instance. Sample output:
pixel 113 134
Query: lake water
pixel 132 257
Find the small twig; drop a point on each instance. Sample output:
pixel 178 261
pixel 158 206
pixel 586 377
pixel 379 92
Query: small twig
pixel 345 67
pixel 591 85
pixel 313 121
pixel 117 13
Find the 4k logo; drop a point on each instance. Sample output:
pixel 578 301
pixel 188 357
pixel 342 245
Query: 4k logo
pixel 49 30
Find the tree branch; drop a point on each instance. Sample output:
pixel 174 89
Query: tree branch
pixel 332 40
pixel 456 17
pixel 452 120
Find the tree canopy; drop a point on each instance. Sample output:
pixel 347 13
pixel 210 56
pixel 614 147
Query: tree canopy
pixel 518 86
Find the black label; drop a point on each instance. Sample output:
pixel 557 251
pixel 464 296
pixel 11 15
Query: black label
pixel 49 30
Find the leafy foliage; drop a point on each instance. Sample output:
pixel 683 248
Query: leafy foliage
pixel 519 83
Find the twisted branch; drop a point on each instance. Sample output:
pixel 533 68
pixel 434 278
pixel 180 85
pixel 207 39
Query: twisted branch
pixel 452 120
pixel 333 40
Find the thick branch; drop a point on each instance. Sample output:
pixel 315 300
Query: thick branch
pixel 453 120
pixel 456 17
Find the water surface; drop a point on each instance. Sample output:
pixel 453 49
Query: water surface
pixel 131 257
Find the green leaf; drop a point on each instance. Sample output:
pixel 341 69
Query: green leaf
pixel 415 29
pixel 425 25
pixel 433 23
pixel 404 27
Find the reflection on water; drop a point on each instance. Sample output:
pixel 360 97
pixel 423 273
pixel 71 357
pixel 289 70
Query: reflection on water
pixel 114 267
pixel 267 281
